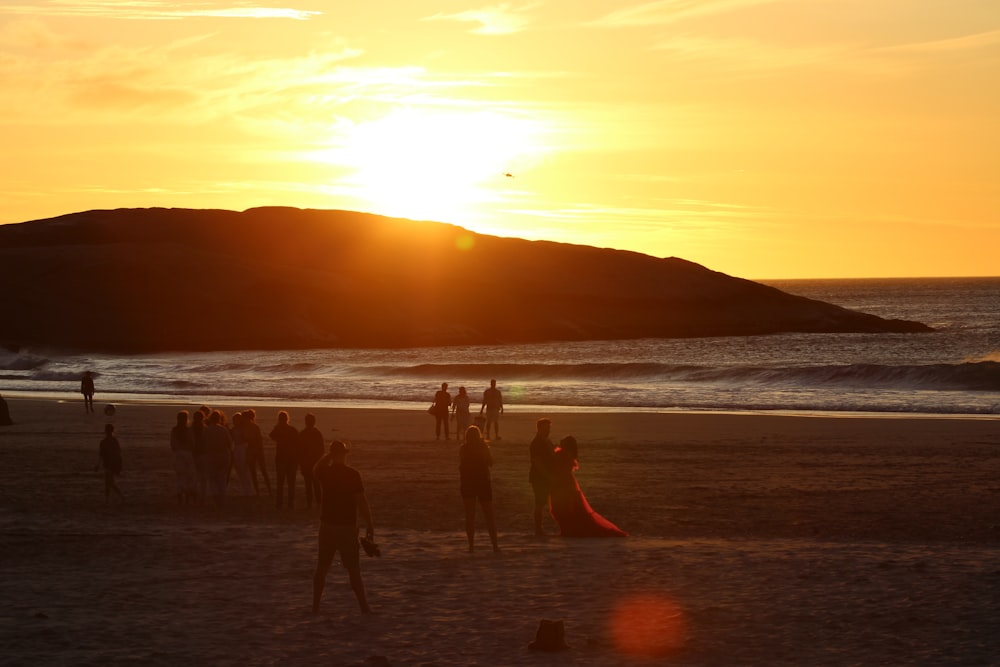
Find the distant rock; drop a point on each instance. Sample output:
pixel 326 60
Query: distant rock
pixel 145 280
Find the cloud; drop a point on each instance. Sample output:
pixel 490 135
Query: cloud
pixel 33 34
pixel 980 40
pixel 161 81
pixel 745 55
pixel 669 11
pixel 502 19
pixel 679 212
pixel 152 10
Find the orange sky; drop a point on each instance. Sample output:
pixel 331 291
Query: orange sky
pixel 761 138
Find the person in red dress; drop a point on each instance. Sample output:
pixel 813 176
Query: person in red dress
pixel 567 504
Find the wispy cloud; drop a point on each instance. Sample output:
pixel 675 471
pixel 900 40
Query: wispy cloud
pixel 159 81
pixel 502 19
pixel 30 33
pixel 657 230
pixel 669 11
pixel 751 55
pixel 152 10
pixel 980 40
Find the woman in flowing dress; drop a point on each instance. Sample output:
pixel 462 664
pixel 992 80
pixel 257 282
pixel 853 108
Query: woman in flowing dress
pixel 567 504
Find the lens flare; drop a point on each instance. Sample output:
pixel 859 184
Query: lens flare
pixel 647 625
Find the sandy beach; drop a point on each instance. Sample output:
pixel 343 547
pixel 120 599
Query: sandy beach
pixel 755 540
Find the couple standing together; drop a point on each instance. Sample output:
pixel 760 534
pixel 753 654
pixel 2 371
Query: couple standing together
pixel 554 484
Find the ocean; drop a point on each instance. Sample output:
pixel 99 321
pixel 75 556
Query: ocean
pixel 953 371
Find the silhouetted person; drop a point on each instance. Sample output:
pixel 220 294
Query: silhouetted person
pixel 286 459
pixel 310 451
pixel 460 410
pixel 110 455
pixel 541 450
pixel 493 404
pixel 240 448
pixel 474 463
pixel 198 451
pixel 87 389
pixel 218 456
pixel 5 419
pixel 442 407
pixel 182 447
pixel 255 450
pixel 568 505
pixel 343 499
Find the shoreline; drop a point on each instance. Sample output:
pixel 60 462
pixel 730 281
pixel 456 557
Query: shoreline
pixel 239 403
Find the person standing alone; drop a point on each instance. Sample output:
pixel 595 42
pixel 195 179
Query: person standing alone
pixel 110 456
pixel 493 404
pixel 87 389
pixel 474 463
pixel 343 499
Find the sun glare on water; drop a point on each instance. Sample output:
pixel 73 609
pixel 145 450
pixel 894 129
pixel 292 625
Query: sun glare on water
pixel 435 165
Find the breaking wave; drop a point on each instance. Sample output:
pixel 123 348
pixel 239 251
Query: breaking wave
pixel 969 376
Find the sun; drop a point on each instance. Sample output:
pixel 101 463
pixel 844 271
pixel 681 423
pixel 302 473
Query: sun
pixel 431 164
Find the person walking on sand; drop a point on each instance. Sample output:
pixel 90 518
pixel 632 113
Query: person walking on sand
pixel 182 447
pixel 460 411
pixel 310 451
pixel 87 389
pixel 493 404
pixel 541 450
pixel 442 406
pixel 474 463
pixel 343 499
pixel 255 450
pixel 110 457
pixel 286 459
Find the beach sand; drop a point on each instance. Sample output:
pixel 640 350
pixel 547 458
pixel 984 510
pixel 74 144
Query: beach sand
pixel 755 540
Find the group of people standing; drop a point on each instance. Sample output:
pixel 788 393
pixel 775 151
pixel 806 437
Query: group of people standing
pixel 459 409
pixel 207 451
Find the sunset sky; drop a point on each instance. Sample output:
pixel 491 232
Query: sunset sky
pixel 761 138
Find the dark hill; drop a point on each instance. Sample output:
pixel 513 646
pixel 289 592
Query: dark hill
pixel 140 280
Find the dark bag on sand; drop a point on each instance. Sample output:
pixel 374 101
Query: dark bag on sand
pixel 432 410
